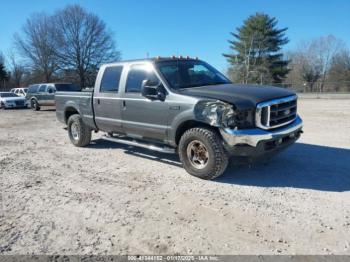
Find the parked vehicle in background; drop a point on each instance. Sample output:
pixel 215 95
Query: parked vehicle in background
pixel 185 106
pixel 22 91
pixel 44 94
pixel 11 100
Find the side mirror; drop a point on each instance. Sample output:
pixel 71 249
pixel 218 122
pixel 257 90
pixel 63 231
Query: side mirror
pixel 152 90
pixel 50 91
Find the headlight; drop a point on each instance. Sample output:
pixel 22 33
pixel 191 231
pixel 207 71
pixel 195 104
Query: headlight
pixel 229 120
pixel 216 113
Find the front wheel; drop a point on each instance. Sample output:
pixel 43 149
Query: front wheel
pixel 202 154
pixel 79 133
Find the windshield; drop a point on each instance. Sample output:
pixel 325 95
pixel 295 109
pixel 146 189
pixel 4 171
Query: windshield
pixel 8 95
pixel 190 73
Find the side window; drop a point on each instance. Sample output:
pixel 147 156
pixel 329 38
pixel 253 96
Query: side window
pixel 33 89
pixel 137 74
pixel 111 78
pixel 51 89
pixel 42 88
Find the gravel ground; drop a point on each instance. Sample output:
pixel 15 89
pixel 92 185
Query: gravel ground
pixel 112 199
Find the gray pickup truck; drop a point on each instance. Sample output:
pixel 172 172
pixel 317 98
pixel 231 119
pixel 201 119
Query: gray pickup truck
pixel 182 105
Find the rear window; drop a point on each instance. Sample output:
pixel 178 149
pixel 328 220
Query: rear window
pixel 67 88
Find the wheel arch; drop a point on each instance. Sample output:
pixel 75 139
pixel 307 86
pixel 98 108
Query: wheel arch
pixel 188 124
pixel 69 111
pixel 34 98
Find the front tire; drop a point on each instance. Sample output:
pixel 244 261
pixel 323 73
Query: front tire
pixel 202 154
pixel 79 133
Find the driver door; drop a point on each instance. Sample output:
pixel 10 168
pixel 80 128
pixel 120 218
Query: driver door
pixel 142 117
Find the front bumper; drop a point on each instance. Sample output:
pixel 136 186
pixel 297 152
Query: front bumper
pixel 253 142
pixel 14 105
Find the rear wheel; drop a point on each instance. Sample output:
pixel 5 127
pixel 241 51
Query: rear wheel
pixel 79 133
pixel 202 154
pixel 34 105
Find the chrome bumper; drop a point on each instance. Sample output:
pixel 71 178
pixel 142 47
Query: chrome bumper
pixel 253 136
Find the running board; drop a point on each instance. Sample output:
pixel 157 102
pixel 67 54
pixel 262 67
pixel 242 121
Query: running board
pixel 167 150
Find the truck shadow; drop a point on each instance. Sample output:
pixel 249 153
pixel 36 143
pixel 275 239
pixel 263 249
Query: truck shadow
pixel 302 166
pixel 170 159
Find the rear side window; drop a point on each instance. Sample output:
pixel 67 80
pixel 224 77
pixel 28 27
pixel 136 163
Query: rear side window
pixel 42 88
pixel 51 89
pixel 111 78
pixel 33 89
pixel 66 88
pixel 137 74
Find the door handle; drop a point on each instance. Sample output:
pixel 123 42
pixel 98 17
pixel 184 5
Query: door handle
pixel 98 101
pixel 124 104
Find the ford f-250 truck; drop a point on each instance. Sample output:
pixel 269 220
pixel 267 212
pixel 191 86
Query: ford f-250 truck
pixel 182 105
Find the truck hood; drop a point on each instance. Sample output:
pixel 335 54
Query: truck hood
pixel 12 99
pixel 241 96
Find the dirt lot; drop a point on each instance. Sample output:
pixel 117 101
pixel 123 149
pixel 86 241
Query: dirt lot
pixel 111 199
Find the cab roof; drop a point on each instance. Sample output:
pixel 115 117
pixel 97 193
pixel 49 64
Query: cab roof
pixel 154 59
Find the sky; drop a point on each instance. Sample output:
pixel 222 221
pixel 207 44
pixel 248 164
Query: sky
pixel 188 27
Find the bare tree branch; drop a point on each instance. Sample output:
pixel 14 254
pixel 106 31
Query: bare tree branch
pixel 36 44
pixel 84 42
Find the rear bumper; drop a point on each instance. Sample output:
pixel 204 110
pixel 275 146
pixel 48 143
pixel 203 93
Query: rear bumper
pixel 256 142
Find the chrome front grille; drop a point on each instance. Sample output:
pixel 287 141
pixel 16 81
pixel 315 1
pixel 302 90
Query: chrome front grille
pixel 276 113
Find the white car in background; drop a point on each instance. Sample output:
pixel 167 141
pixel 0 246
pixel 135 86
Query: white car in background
pixel 11 100
pixel 20 91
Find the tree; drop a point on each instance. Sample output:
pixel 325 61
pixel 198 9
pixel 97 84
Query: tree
pixel 37 45
pixel 84 43
pixel 3 73
pixel 256 56
pixel 312 60
pixel 339 72
pixel 305 67
pixel 17 70
pixel 327 48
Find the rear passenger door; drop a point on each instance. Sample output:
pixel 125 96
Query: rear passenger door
pixel 40 95
pixel 106 101
pixel 50 94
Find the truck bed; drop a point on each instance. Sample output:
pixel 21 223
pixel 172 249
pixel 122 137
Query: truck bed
pixel 68 102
